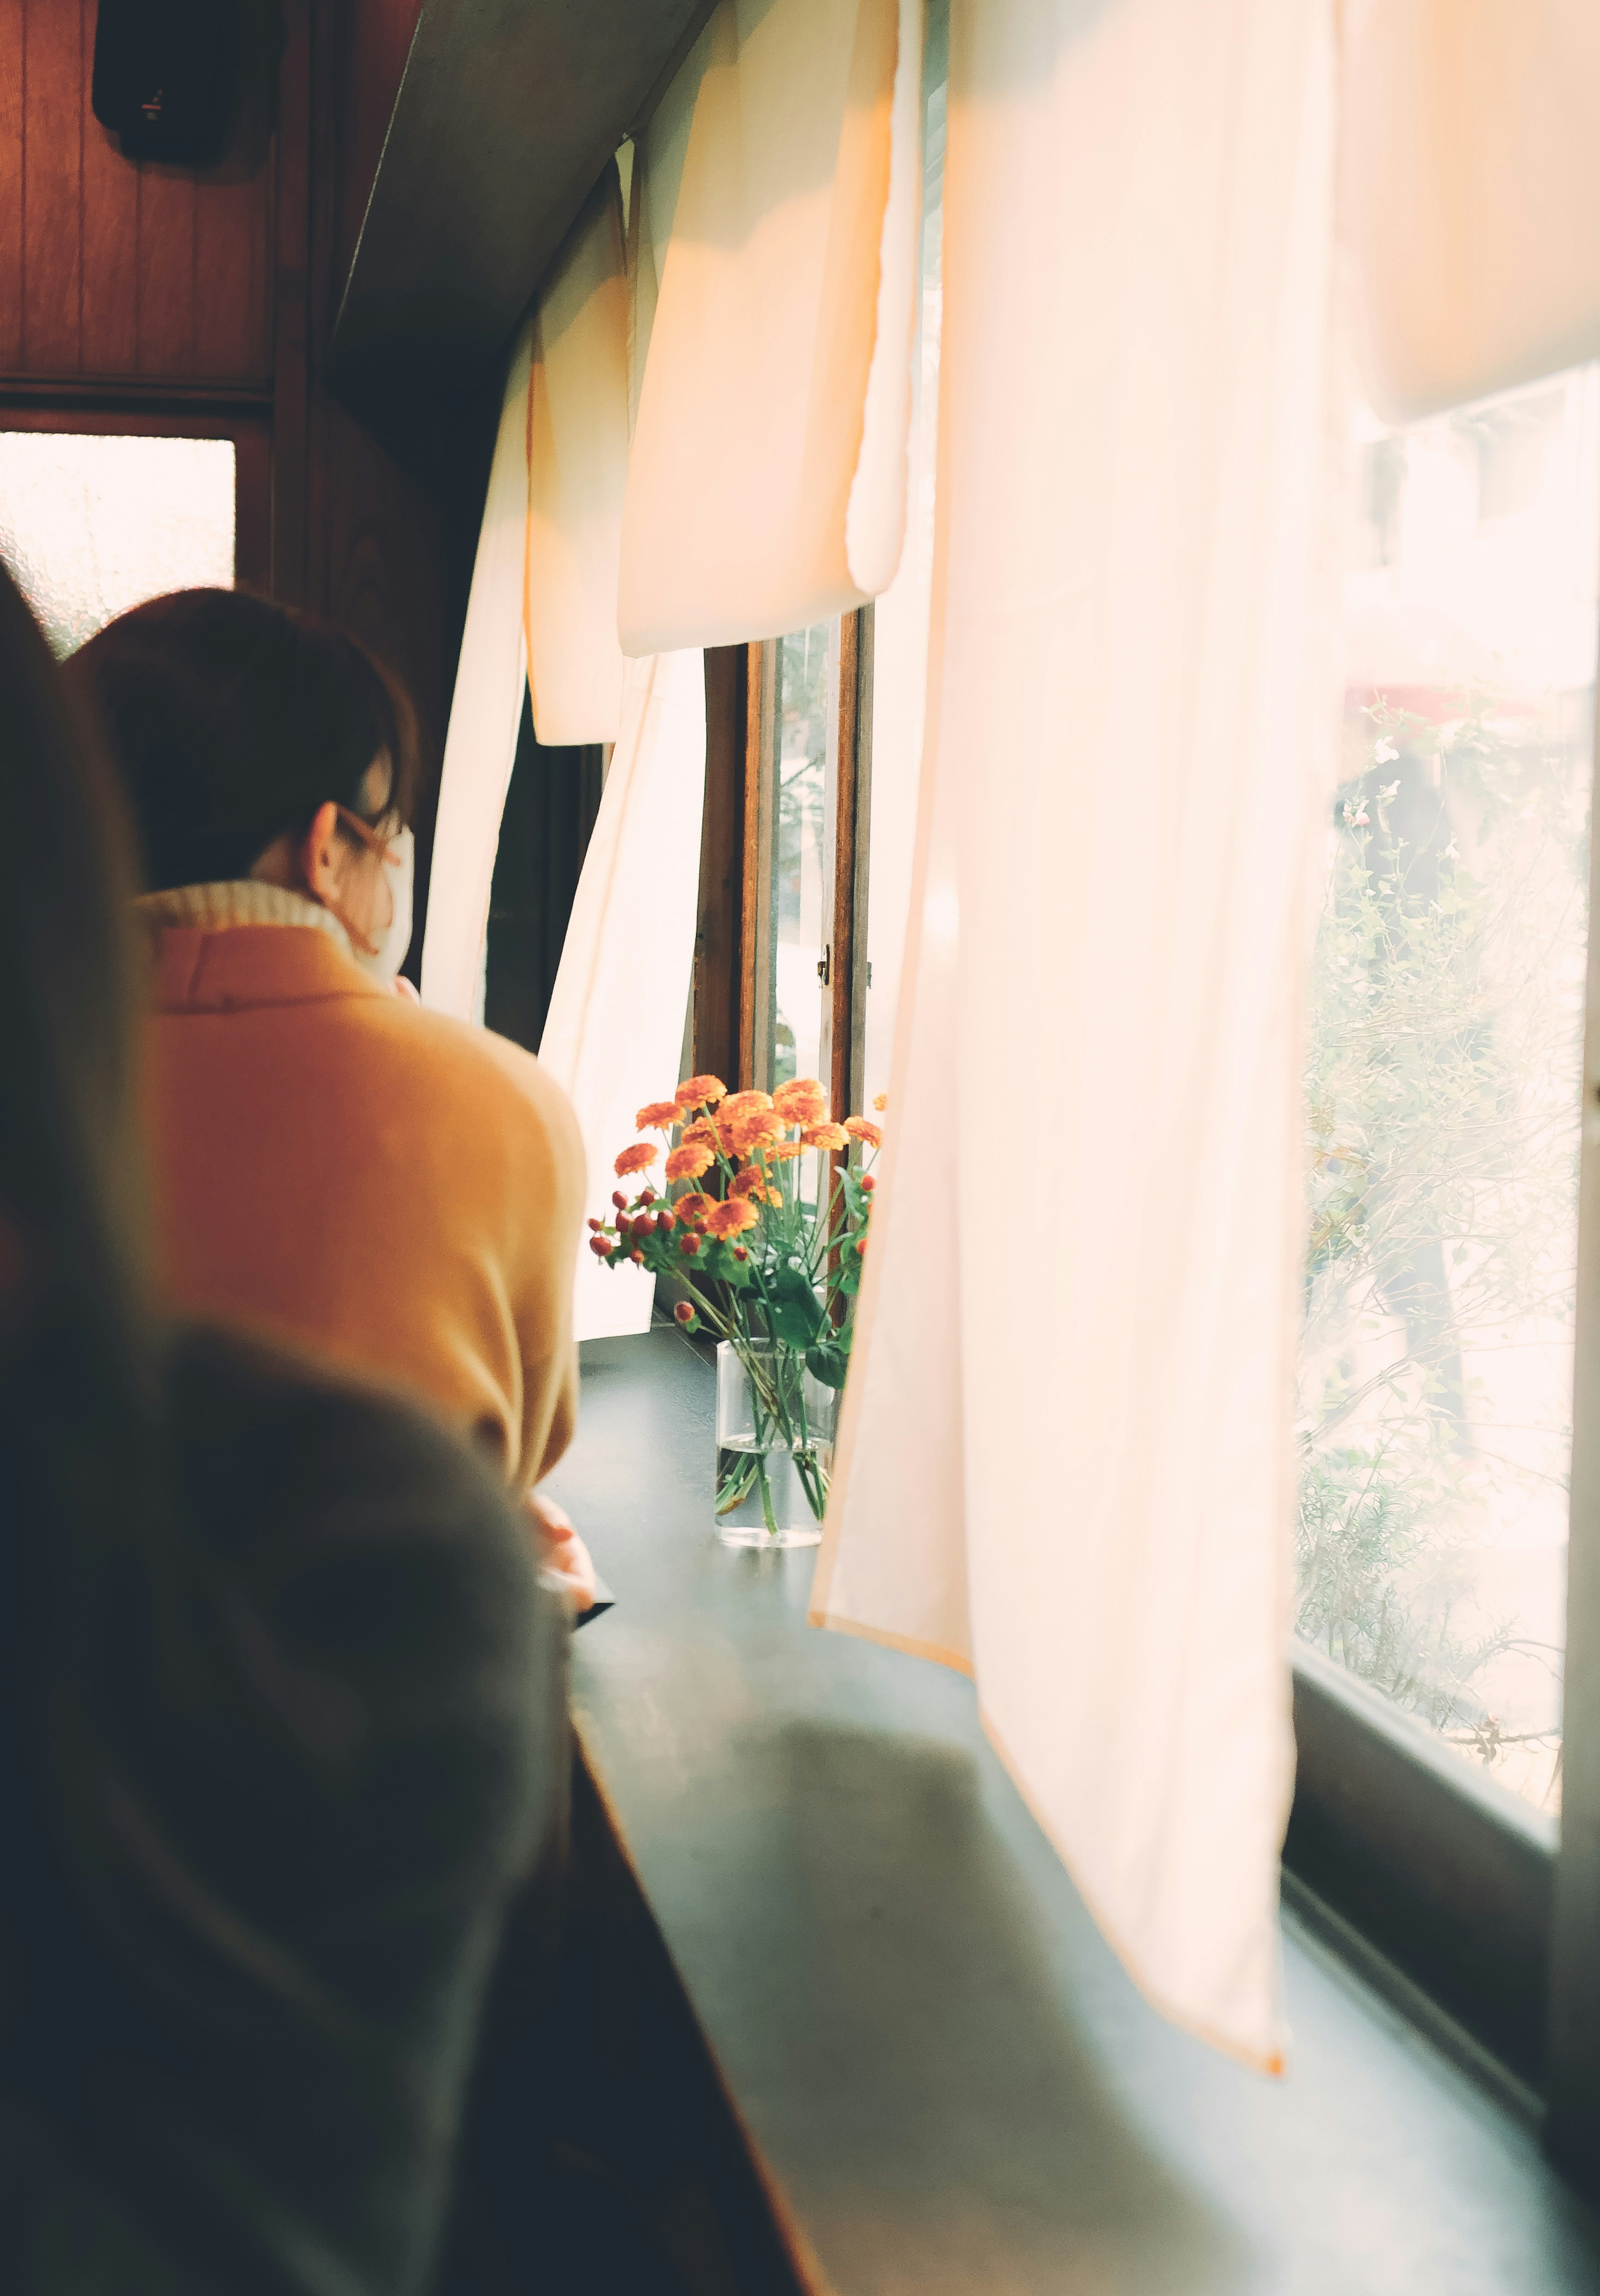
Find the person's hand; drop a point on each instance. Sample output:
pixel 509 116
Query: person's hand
pixel 563 1557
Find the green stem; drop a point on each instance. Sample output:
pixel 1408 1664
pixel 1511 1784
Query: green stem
pixel 766 1494
pixel 813 1483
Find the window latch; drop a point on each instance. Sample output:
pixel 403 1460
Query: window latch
pixel 825 965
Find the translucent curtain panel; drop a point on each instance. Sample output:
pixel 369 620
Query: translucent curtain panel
pixel 615 1030
pixel 768 481
pixel 1471 194
pixel 544 598
pixel 614 1034
pixel 480 746
pixel 1066 1457
pixel 578 472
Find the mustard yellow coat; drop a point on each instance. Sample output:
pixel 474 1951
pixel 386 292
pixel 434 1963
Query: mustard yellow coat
pixel 375 1183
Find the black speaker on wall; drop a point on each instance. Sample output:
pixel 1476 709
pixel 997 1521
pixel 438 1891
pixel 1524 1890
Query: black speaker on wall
pixel 166 77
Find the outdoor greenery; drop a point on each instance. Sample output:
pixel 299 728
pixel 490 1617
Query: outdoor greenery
pixel 1442 1098
pixel 802 780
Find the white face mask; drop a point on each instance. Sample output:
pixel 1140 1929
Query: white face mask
pixel 391 943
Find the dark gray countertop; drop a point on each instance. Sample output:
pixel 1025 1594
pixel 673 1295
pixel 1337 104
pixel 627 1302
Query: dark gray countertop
pixel 947 2075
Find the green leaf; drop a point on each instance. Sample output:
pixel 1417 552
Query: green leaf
pixel 796 1315
pixel 829 1360
pixel 716 1262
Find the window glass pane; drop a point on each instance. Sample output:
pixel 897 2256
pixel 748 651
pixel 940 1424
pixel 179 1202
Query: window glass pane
pixel 806 706
pixel 1445 1076
pixel 900 625
pixel 89 526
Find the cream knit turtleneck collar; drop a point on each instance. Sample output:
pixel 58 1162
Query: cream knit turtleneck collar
pixel 239 901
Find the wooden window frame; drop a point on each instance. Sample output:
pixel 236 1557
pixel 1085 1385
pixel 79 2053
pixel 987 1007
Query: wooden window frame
pixel 731 1031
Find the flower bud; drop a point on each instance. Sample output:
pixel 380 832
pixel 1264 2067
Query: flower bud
pixel 648 1196
pixel 868 1182
pixel 663 1221
pixel 599 1243
pixel 689 1245
pixel 620 1200
pixel 636 1258
pixel 740 1252
pixel 684 1313
pixel 595 1224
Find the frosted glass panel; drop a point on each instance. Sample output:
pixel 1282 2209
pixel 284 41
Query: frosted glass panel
pixel 89 526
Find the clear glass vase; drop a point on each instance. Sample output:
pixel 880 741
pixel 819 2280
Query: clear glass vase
pixel 775 1427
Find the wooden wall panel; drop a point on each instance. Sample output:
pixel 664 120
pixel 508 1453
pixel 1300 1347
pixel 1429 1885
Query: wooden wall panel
pixel 233 251
pixel 151 295
pixel 165 257
pixel 10 182
pixel 109 342
pixel 52 78
pixel 112 270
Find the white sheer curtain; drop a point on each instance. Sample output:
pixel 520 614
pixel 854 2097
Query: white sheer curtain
pixel 767 486
pixel 485 710
pixel 1067 1455
pixel 614 1033
pixel 578 470
pixel 615 1023
pixel 1471 188
pixel 544 598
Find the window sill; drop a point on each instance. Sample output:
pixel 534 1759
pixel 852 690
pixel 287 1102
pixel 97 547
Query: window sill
pixel 947 2080
pixel 1450 1879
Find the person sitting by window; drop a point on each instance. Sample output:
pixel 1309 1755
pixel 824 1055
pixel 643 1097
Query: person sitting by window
pixel 282 1702
pixel 333 1164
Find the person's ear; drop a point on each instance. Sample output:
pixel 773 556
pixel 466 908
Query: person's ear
pixel 323 858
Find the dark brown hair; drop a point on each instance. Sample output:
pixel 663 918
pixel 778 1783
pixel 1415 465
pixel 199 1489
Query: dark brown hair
pixel 71 979
pixel 80 1370
pixel 233 720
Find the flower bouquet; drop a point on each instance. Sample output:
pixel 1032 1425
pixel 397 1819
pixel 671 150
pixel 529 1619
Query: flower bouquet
pixel 770 1267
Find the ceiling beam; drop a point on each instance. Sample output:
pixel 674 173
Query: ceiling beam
pixel 507 113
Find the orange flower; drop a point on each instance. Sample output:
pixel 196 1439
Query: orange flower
pixel 689 1161
pixel 739 1103
pixel 731 1218
pixel 702 1132
pixel 825 1136
pixel 696 1091
pixel 753 1127
pixel 860 1128
pixel 784 1152
pixel 637 1159
pixel 753 1182
pixel 801 1101
pixel 660 1116
pixel 881 1102
pixel 692 1206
